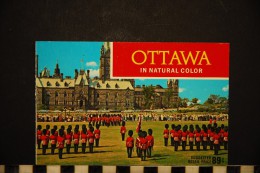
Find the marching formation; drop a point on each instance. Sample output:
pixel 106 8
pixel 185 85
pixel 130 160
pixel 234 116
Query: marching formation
pixel 64 138
pixel 210 137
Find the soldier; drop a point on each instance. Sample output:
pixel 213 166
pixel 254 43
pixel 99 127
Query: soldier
pixel 60 140
pixel 97 135
pixel 171 133
pixel 166 134
pixel 143 145
pixel 198 138
pixel 39 134
pixel 150 142
pixel 123 130
pixel 84 140
pixel 176 138
pixel 91 139
pixel 137 143
pixel 184 135
pixel 204 134
pixel 191 137
pixel 68 139
pixel 76 137
pixel 44 139
pixel 48 134
pixel 129 143
pixel 225 138
pixel 53 139
pixel 216 139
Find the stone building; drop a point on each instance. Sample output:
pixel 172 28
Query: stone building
pixel 57 92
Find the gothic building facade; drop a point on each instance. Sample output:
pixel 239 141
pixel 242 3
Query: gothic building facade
pixel 57 92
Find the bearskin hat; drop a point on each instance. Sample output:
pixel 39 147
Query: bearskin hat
pixel 68 130
pixel 83 126
pixel 150 131
pixel 91 129
pixel 166 126
pixel 130 132
pixel 61 132
pixel 140 133
pixel 77 126
pixel 39 127
pixel 44 131
pixel 173 126
pixel 97 126
pixel 53 131
pixel 47 126
pixel 62 127
pixel 144 134
pixel 55 127
pixel 123 123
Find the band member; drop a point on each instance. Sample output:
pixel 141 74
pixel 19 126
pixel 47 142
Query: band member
pixel 204 138
pixel 143 145
pixel 198 138
pixel 225 138
pixel 216 139
pixel 184 135
pixel 91 139
pixel 150 142
pixel 171 133
pixel 123 130
pixel 60 140
pixel 44 139
pixel 76 136
pixel 191 137
pixel 84 140
pixel 176 138
pixel 53 140
pixel 129 143
pixel 39 134
pixel 166 134
pixel 68 139
pixel 137 143
pixel 97 135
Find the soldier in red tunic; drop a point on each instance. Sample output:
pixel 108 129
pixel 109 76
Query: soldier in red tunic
pixel 150 142
pixel 97 133
pixel 123 130
pixel 91 138
pixel 204 134
pixel 68 139
pixel 39 134
pixel 198 138
pixel 176 138
pixel 184 135
pixel 53 140
pixel 171 134
pixel 44 139
pixel 137 143
pixel 130 143
pixel 143 145
pixel 166 134
pixel 216 139
pixel 84 140
pixel 225 138
pixel 60 140
pixel 191 137
pixel 76 137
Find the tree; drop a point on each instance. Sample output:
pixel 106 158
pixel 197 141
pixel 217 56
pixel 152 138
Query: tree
pixel 194 100
pixel 149 95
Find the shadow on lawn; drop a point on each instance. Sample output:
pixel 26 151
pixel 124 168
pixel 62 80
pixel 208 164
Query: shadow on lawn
pixel 159 157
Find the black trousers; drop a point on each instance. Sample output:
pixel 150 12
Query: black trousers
pixel 204 145
pixel 44 147
pixel 225 145
pixel 138 152
pixel 165 141
pixel 39 143
pixel 76 147
pixel 91 147
pixel 53 147
pixel 83 147
pixel 68 146
pixel 97 142
pixel 216 148
pixel 123 136
pixel 143 154
pixel 129 151
pixel 191 145
pixel 149 151
pixel 60 153
pixel 176 144
pixel 172 141
pixel 197 145
pixel 183 144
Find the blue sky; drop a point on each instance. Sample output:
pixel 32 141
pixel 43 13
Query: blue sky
pixel 85 55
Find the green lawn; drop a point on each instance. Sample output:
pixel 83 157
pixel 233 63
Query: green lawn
pixel 112 150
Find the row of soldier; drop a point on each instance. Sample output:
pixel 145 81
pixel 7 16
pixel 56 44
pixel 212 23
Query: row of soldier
pixel 211 135
pixel 65 138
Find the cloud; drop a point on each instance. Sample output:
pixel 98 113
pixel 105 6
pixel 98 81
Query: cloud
pixel 225 88
pixel 93 72
pixel 91 64
pixel 181 90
